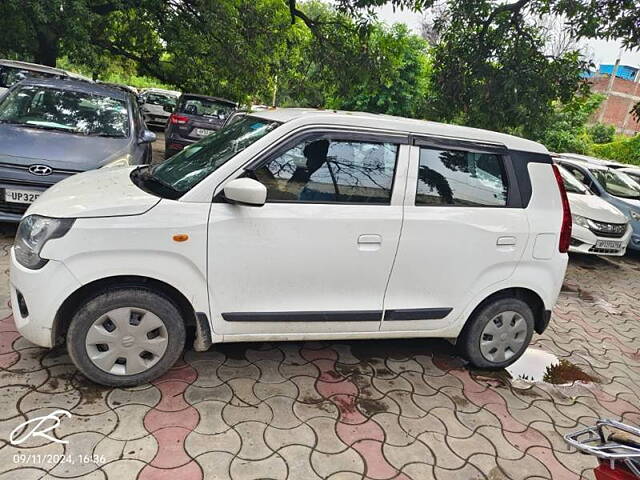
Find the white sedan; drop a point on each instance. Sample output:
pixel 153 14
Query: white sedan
pixel 598 228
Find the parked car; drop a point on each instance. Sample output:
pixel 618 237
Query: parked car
pixel 632 171
pixel 239 114
pixel 157 105
pixel 598 228
pixel 120 86
pixel 613 186
pixel 51 129
pixel 297 224
pixel 195 117
pixel 13 71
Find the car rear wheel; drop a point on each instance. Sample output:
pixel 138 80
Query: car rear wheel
pixel 126 337
pixel 497 334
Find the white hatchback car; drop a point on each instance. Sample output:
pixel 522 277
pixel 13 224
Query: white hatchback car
pixel 296 224
pixel 598 228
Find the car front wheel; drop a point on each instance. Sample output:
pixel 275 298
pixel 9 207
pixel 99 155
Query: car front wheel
pixel 497 334
pixel 126 337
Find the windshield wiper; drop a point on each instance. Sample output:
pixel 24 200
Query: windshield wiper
pixel 105 135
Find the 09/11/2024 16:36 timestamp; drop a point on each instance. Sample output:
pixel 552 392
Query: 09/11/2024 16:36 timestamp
pixel 39 459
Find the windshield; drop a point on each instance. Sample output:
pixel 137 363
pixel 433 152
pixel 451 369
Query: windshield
pixel 617 183
pixel 164 100
pixel 9 76
pixel 571 183
pixel 205 107
pixel 185 169
pixel 65 110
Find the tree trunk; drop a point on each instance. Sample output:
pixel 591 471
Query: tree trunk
pixel 48 46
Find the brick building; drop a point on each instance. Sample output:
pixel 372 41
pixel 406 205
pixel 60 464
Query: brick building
pixel 615 109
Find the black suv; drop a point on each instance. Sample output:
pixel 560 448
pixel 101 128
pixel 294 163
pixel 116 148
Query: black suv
pixel 195 117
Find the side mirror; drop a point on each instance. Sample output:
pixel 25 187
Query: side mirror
pixel 147 136
pixel 246 191
pixel 168 108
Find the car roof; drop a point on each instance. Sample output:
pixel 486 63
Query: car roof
pixel 36 67
pixel 400 124
pixel 32 66
pixel 77 86
pixel 593 160
pixel 581 163
pixel 210 98
pixel 173 93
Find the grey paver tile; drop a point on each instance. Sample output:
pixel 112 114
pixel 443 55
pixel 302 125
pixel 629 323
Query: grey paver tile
pixel 216 465
pixel 303 434
pixel 326 464
pixel 273 467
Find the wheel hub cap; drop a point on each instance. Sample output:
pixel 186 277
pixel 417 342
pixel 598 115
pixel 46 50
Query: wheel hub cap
pixel 503 337
pixel 126 341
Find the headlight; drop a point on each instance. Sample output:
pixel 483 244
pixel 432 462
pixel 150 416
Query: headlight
pixel 119 162
pixel 579 220
pixel 34 231
pixel 635 215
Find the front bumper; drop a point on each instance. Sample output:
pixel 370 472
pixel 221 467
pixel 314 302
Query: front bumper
pixel 157 120
pixel 584 241
pixel 36 297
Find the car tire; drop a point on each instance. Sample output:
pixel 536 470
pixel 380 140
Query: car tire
pixel 497 334
pixel 126 336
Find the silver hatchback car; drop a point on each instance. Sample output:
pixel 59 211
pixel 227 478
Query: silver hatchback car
pixel 53 128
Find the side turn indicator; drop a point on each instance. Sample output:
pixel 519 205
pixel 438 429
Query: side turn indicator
pixel 180 237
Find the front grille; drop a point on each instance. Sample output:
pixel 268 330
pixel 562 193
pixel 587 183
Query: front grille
pixel 17 208
pixel 609 230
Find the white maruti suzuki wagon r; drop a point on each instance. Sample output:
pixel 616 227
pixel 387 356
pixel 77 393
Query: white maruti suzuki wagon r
pixel 295 224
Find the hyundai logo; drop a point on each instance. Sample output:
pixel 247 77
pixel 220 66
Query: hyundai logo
pixel 40 170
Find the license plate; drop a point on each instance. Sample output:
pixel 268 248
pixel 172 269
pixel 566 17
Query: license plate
pixel 202 132
pixel 608 244
pixel 20 196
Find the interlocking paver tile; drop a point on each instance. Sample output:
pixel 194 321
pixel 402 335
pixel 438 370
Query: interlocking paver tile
pixel 326 464
pixel 298 460
pixel 400 456
pixel 303 434
pixel 253 445
pixel 273 467
pixel 228 441
pixel 216 465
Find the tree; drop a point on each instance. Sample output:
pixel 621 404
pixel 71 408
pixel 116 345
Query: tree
pixel 40 29
pixel 342 65
pixel 490 69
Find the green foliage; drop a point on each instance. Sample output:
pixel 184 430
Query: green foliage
pixel 341 65
pixel 492 71
pixel 602 133
pixel 564 128
pixel 623 149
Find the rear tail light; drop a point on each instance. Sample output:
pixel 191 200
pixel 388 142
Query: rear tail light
pixel 565 231
pixel 178 119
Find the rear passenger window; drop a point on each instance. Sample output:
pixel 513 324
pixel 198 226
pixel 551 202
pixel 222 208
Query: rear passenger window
pixel 459 178
pixel 323 170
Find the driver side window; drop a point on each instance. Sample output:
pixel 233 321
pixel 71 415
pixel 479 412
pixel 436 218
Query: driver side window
pixel 323 170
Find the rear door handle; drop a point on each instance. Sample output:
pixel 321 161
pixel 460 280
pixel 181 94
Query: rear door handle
pixel 506 241
pixel 369 242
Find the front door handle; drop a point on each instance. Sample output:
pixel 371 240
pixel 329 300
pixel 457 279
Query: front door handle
pixel 369 242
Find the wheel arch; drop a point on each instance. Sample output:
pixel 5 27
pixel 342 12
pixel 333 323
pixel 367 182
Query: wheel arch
pixel 530 297
pixel 90 290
